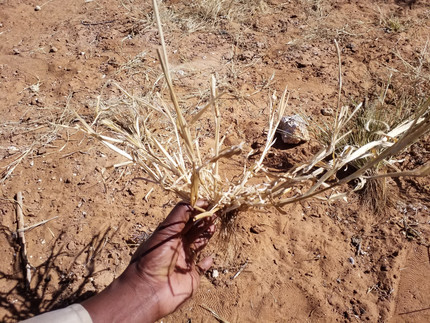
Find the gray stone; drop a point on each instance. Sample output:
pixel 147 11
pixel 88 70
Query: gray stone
pixel 293 129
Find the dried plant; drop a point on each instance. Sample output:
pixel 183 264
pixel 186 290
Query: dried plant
pixel 44 129
pixel 163 141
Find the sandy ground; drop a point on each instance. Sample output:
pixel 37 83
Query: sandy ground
pixel 302 266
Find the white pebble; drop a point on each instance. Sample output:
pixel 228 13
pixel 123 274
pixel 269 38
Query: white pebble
pixel 37 8
pixel 215 273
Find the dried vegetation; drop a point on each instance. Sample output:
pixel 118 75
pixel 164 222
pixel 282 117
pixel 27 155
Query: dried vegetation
pixel 162 137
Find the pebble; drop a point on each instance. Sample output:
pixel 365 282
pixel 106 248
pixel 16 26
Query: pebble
pixel 228 56
pixel 352 47
pixel 71 245
pixel 36 101
pixel 215 273
pixel 16 51
pixel 37 8
pixel 12 150
pixel 53 49
pixel 261 45
pixel 351 260
pixel 327 112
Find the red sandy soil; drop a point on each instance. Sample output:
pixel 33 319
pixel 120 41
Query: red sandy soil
pixel 302 266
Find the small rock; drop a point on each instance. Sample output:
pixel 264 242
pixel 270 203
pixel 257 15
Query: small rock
pixel 228 56
pixel 352 47
pixel 351 260
pixel 293 130
pixel 246 56
pixel 327 112
pixel 36 101
pixel 53 49
pixel 304 61
pixel 41 151
pixel 12 150
pixel 301 64
pixel 37 8
pixel 71 245
pixel 16 51
pixel 261 45
pixel 215 273
pixel 256 229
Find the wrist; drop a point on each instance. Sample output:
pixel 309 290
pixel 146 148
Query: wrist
pixel 126 299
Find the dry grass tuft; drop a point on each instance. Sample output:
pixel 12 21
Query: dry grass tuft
pixel 199 15
pixel 43 130
pixel 156 134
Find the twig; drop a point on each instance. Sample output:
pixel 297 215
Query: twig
pixel 36 225
pixel 147 194
pixel 88 23
pixel 219 318
pixel 240 270
pixel 52 233
pixel 339 95
pixel 217 129
pixel 21 235
pixel 74 152
pixel 415 311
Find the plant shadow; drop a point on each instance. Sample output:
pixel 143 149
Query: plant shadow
pixel 51 287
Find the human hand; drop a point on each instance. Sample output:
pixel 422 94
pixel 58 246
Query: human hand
pixel 162 273
pixel 167 260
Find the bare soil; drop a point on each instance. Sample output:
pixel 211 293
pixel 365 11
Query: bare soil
pixel 320 262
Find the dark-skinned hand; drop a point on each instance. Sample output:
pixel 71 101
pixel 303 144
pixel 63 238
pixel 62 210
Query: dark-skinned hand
pixel 163 272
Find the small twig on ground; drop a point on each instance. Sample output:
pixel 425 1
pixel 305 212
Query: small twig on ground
pixel 415 311
pixel 240 270
pixel 74 152
pixel 147 194
pixel 219 318
pixel 21 236
pixel 36 224
pixel 339 95
pixel 52 233
pixel 88 23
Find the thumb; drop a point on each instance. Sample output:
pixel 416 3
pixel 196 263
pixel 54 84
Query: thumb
pixel 204 265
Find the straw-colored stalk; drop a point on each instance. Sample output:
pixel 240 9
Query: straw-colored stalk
pixel 159 138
